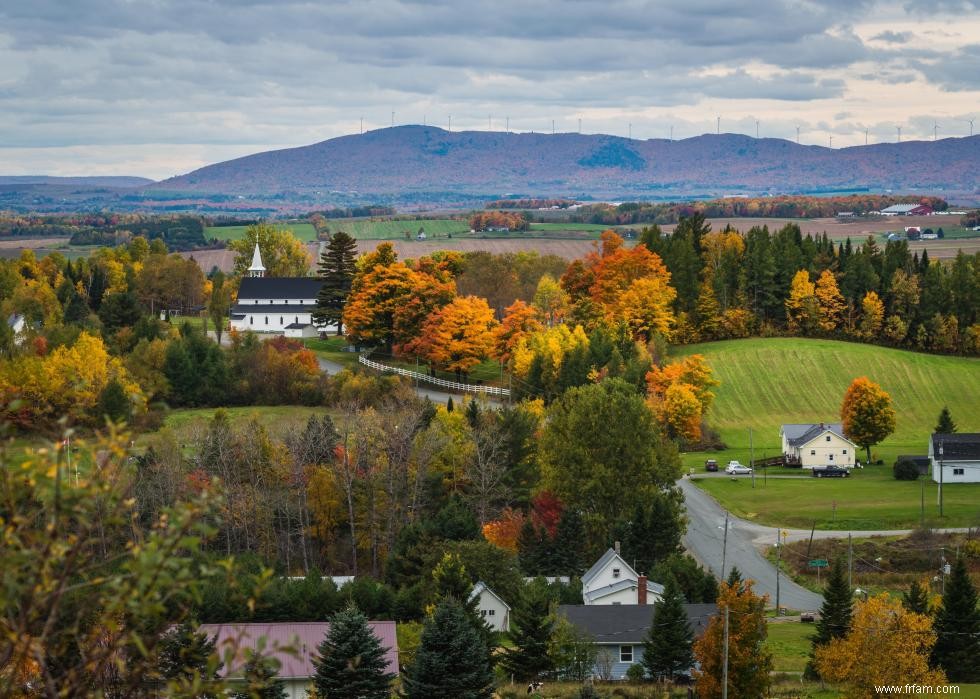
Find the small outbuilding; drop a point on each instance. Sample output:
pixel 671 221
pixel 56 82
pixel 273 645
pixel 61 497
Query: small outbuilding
pixel 957 456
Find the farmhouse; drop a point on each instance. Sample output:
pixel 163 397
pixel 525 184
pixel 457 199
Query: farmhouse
pixel 958 455
pixel 619 632
pixel 493 609
pixel 293 644
pixel 281 305
pixel 821 444
pixel 613 581
pixel 907 210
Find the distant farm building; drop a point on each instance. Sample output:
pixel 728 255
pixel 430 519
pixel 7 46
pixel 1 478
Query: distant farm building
pixel 907 210
pixel 958 455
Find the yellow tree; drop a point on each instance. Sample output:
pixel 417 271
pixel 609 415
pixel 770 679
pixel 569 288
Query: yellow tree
pixel 867 413
pixel 887 645
pixel 872 315
pixel 682 412
pixel 520 320
pixel 459 335
pixel 551 300
pixel 829 300
pixel 802 312
pixel 645 306
pixel 282 253
pixel 749 660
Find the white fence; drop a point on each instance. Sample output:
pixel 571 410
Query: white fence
pixel 451 385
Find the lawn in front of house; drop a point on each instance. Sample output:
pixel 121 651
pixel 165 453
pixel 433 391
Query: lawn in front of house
pixel 789 643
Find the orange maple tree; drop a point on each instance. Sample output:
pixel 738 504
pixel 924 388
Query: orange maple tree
pixel 459 335
pixel 520 320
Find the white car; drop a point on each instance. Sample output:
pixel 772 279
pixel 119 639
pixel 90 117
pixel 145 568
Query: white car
pixel 735 468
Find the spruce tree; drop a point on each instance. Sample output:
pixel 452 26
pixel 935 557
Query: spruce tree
pixel 957 628
pixel 530 631
pixel 916 599
pixel 261 680
pixel 185 654
pixel 336 269
pixel 835 614
pixel 734 577
pixel 451 661
pixel 945 425
pixel 351 662
pixel 667 650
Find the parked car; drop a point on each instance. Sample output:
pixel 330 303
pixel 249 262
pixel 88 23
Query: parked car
pixel 831 472
pixel 710 465
pixel 735 468
pixel 807 617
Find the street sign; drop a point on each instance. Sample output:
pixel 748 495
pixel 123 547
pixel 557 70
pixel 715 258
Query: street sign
pixel 819 563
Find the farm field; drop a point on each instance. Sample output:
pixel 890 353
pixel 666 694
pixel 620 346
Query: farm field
pixel 186 422
pixel 768 382
pixel 303 231
pixel 395 229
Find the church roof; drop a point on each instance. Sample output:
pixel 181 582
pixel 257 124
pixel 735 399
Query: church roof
pixel 269 288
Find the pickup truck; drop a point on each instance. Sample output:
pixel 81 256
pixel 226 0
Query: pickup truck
pixel 830 472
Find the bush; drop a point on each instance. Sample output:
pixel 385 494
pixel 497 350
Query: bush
pixel 905 470
pixel 636 673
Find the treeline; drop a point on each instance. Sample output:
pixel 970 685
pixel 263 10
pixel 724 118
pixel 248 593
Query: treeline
pixel 356 211
pixel 179 232
pixel 764 207
pixel 531 203
pixel 486 220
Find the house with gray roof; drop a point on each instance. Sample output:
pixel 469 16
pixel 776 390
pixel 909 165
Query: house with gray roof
pixel 958 455
pixel 811 445
pixel 491 607
pixel 619 631
pixel 611 580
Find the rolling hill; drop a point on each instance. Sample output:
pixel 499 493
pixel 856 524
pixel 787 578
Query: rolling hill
pixel 771 381
pixel 430 164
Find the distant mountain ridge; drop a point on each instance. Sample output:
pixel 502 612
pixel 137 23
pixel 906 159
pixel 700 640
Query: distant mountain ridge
pixel 113 181
pixel 415 161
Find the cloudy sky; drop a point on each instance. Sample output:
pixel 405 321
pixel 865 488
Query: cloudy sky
pixel 160 87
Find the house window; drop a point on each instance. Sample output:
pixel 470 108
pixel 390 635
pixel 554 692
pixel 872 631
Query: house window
pixel 296 320
pixel 843 451
pixel 287 302
pixel 958 471
pixel 491 612
pixel 267 320
pixel 828 437
pixel 626 654
pixel 615 572
pixel 280 320
pixel 256 302
pixel 251 320
pixel 830 457
pixel 813 452
pixel 483 612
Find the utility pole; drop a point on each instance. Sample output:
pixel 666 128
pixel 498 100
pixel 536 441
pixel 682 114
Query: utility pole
pixel 779 545
pixel 724 658
pixel 922 503
pixel 724 548
pixel 850 560
pixel 941 469
pixel 752 458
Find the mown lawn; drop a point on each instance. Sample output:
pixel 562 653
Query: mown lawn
pixel 332 349
pixel 395 229
pixel 768 382
pixel 303 231
pixel 789 643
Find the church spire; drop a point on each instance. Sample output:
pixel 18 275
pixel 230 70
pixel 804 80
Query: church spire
pixel 257 269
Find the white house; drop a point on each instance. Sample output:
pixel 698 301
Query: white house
pixel 280 305
pixel 820 444
pixel 18 325
pixel 611 580
pixel 293 644
pixel 620 631
pixel 494 610
pixel 958 455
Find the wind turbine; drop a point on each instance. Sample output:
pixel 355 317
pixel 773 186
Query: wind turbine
pixel 797 135
pixel 718 131
pixel 757 128
pixel 831 143
pixel 866 136
pixel 899 133
pixel 935 131
pixel 971 126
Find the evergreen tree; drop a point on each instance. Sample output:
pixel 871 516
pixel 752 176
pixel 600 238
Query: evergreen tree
pixel 916 599
pixel 568 549
pixel 653 530
pixel 957 628
pixel 734 577
pixel 113 402
pixel 455 521
pixel 351 662
pixel 336 269
pixel 530 630
pixel 452 660
pixel 186 654
pixel 835 614
pixel 945 425
pixel 261 680
pixel 667 650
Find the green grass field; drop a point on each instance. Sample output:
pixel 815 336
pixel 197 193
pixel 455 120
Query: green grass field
pixel 303 231
pixel 789 643
pixel 395 229
pixel 332 349
pixel 768 382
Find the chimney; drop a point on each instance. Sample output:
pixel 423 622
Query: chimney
pixel 616 547
pixel 641 589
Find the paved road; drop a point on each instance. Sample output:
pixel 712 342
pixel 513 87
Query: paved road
pixel 439 397
pixel 704 539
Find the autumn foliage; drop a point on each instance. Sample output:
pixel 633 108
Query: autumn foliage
pixel 680 395
pixel 867 413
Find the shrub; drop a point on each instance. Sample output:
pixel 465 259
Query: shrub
pixel 636 673
pixel 905 470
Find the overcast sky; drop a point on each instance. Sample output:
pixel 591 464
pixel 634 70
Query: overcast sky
pixel 160 87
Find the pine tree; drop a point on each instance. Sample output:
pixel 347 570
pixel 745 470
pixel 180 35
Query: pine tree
pixel 186 654
pixel 957 628
pixel 835 614
pixel 451 661
pixel 667 650
pixel 945 424
pixel 916 599
pixel 113 402
pixel 261 680
pixel 734 577
pixel 351 662
pixel 336 269
pixel 530 630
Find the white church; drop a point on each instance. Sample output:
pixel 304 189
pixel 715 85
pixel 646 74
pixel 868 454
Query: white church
pixel 279 305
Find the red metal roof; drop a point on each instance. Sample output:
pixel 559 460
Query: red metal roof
pixel 293 644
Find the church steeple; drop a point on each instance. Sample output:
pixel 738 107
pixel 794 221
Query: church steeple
pixel 257 269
